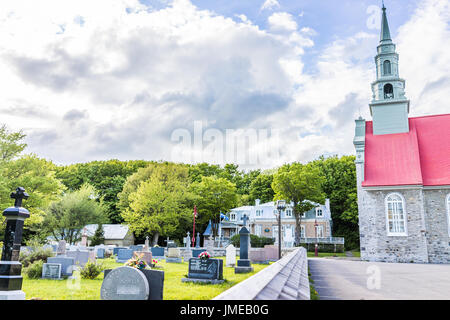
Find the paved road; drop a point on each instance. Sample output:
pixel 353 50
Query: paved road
pixel 336 279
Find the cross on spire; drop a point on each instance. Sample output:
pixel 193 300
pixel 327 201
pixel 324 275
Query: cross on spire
pixel 18 196
pixel 245 219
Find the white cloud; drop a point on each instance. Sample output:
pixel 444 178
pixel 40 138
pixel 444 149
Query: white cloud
pixel 270 4
pixel 282 21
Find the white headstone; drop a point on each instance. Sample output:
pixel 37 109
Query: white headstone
pixel 230 256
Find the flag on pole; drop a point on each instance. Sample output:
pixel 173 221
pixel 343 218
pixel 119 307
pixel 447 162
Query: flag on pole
pixel 195 211
pixel 224 217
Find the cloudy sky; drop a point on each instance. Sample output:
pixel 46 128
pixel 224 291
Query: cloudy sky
pixel 168 80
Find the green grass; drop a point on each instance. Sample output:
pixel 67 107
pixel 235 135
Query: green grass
pixel 174 289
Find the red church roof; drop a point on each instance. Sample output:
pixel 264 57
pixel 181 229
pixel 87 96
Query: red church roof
pixel 419 157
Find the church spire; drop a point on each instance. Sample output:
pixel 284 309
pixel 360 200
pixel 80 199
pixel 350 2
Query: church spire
pixel 385 33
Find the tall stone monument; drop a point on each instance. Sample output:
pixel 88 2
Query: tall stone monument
pixel 10 267
pixel 197 241
pixel 243 264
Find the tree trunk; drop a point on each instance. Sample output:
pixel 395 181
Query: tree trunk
pixel 298 224
pixel 155 239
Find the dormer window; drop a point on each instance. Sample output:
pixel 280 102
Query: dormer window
pixel 258 213
pixel 319 213
pixel 388 91
pixel 233 217
pixel 288 212
pixel 387 67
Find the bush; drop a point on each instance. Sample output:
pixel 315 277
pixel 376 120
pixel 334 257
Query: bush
pixel 37 254
pixel 255 241
pixel 34 270
pixel 91 270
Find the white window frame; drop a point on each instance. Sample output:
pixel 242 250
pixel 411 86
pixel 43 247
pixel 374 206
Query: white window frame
pixel 232 216
pixel 447 202
pixel 288 213
pixel 303 214
pixel 405 218
pixel 317 212
pixel 258 213
pixel 302 231
pixel 317 228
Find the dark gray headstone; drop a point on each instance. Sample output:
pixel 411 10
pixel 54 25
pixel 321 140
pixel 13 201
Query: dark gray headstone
pixel 157 252
pixel 196 252
pixel 211 269
pixel 125 283
pixel 51 271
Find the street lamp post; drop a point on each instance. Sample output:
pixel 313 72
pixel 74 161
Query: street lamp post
pixel 281 205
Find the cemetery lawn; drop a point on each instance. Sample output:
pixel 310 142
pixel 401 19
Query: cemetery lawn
pixel 174 289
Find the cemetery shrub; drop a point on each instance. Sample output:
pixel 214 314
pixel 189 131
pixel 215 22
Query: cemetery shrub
pixel 91 270
pixel 34 270
pixel 38 254
pixel 255 241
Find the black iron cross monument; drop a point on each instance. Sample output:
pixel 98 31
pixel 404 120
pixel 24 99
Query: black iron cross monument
pixel 10 267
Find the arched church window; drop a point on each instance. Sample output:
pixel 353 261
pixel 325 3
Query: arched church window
pixel 386 67
pixel 388 91
pixel 395 215
pixel 448 213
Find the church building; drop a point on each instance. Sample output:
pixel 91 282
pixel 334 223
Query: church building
pixel 403 172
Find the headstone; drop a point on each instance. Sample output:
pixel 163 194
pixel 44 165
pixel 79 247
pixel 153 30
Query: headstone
pixel 196 252
pixel 101 253
pixel 271 252
pixel 124 255
pixel 244 264
pixel 51 271
pixel 92 256
pixel 138 247
pixel 61 250
pixel 157 252
pixel 146 244
pixel 84 238
pixel 116 250
pixel 230 256
pixel 125 283
pixel 188 240
pixel 173 255
pixel 205 270
pixel 81 257
pixel 144 255
pixel 197 241
pixel 258 255
pixel 186 253
pixel 67 264
pixel 155 280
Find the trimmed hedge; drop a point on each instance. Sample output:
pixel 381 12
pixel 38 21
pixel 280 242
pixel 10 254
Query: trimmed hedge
pixel 255 241
pixel 322 247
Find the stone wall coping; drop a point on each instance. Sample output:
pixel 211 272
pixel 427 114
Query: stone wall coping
pixel 250 288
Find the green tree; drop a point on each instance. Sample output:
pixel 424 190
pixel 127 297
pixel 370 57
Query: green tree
pixel 37 176
pixel 99 236
pixel 339 185
pixel 299 184
pixel 161 205
pixel 214 195
pixel 108 177
pixel 261 188
pixel 11 144
pixel 65 218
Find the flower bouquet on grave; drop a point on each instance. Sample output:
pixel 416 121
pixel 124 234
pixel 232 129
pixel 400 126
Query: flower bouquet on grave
pixel 155 263
pixel 137 262
pixel 204 255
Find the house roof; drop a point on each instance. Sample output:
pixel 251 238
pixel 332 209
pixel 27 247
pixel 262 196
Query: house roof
pixel 418 157
pixel 111 231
